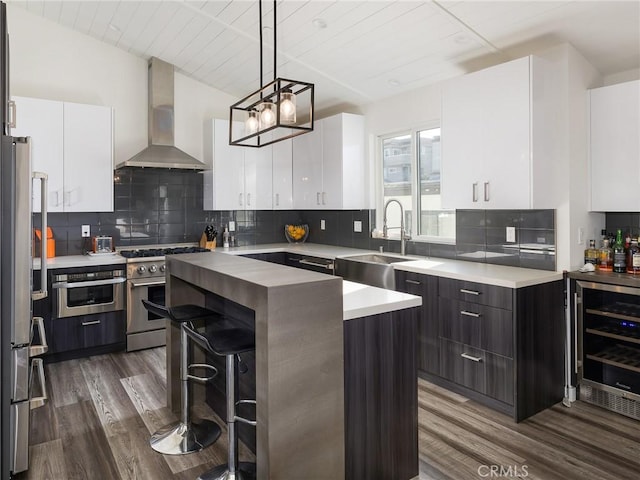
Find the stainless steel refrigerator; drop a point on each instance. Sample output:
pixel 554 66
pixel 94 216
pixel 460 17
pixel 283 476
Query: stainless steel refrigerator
pixel 21 372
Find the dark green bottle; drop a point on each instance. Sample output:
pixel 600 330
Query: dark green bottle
pixel 619 255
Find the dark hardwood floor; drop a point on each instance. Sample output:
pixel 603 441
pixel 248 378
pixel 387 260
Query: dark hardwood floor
pixel 102 410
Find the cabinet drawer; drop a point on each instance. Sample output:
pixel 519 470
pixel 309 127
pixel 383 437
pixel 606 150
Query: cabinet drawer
pixel 74 333
pixel 480 293
pixel 476 325
pixel 463 364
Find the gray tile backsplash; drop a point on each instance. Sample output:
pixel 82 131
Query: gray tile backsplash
pixel 156 206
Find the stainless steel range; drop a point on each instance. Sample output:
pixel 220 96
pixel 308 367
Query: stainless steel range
pixel 146 281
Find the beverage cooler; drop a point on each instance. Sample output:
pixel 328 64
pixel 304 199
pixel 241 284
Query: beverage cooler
pixel 608 325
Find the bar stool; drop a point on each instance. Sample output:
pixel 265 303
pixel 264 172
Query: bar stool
pixel 185 436
pixel 229 343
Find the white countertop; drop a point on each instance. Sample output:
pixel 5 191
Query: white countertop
pixel 498 275
pixel 359 300
pixel 70 261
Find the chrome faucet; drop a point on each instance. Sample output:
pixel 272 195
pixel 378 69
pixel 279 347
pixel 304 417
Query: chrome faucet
pixel 404 236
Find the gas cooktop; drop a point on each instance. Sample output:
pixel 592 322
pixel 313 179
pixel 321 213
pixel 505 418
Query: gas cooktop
pixel 160 252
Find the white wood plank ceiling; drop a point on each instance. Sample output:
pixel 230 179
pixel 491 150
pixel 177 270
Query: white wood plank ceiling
pixel 366 50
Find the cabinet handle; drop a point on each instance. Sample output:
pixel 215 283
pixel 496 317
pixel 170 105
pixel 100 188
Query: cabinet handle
pixel 57 198
pixel 622 385
pixel 12 114
pixel 95 322
pixel 317 198
pixel 472 358
pixel 277 199
pixel 324 198
pixel 413 282
pixel 240 199
pixel 470 314
pixel 486 191
pixel 470 292
pixel 248 199
pixel 474 192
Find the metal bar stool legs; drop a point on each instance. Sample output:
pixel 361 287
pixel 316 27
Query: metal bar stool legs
pixel 186 436
pixel 233 470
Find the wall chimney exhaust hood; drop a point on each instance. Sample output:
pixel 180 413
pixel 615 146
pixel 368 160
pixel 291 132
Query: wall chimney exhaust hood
pixel 161 152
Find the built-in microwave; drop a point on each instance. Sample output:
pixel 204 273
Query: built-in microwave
pixel 89 292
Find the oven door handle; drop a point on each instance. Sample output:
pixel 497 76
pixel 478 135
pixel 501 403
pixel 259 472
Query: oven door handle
pixel 89 283
pixel 152 283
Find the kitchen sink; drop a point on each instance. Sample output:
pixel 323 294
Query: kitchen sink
pixel 373 269
pixel 378 258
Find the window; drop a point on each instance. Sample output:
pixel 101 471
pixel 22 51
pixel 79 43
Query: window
pixel 411 175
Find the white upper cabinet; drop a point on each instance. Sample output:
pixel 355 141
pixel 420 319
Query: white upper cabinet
pixel 42 121
pixel 73 144
pixel 329 165
pixel 488 130
pixel 282 175
pixel 307 169
pixel 614 139
pixel 238 178
pixel 88 158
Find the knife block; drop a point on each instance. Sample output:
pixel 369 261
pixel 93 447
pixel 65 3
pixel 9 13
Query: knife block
pixel 205 244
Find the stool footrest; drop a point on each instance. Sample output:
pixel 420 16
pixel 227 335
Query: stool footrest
pixel 242 419
pixel 206 367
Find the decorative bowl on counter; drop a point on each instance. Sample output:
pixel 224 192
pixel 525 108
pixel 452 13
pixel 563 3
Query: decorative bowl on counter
pixel 296 233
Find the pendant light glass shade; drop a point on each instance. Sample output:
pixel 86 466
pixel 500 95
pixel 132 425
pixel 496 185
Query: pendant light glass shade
pixel 288 107
pixel 252 124
pixel 267 115
pixel 276 111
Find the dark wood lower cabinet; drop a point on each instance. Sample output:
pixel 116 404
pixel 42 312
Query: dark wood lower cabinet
pixel 76 337
pixel 381 398
pixel 381 409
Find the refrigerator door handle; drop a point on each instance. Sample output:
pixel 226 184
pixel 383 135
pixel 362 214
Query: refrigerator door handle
pixel 37 350
pixel 37 402
pixel 42 293
pixel 12 114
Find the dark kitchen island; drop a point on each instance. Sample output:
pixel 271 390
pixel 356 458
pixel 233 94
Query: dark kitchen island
pixel 307 343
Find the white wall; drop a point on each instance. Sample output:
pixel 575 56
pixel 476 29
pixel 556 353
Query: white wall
pixel 52 62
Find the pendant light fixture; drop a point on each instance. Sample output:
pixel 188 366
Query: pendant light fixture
pixel 276 111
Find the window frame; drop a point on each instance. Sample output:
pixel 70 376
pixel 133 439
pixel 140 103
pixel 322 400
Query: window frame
pixel 413 132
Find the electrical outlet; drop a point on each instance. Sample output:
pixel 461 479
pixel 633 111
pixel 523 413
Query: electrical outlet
pixel 357 226
pixel 86 231
pixel 511 234
pixel 232 226
pixel 323 226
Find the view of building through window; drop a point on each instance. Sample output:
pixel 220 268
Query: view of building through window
pixel 409 166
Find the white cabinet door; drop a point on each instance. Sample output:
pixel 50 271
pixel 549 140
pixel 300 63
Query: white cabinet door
pixel 462 144
pixel 228 169
pixel 257 178
pixel 615 147
pixel 282 175
pixel 42 121
pixel 486 153
pixel 307 169
pixel 88 158
pixel 506 181
pixel 332 181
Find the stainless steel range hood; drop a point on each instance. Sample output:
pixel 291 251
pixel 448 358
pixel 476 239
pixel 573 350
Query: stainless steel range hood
pixel 161 152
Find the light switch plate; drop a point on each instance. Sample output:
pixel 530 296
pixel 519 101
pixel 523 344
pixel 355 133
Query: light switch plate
pixel 86 231
pixel 357 226
pixel 232 226
pixel 322 225
pixel 511 234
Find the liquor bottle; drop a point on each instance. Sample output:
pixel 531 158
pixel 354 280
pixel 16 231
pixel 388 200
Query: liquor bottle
pixel 591 253
pixel 619 255
pixel 633 258
pixel 605 263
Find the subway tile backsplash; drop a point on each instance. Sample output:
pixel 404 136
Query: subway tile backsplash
pixel 157 206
